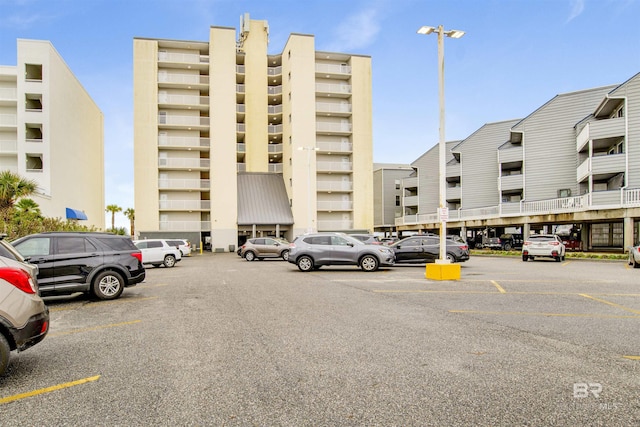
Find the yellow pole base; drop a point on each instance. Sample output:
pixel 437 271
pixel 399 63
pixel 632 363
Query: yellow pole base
pixel 443 271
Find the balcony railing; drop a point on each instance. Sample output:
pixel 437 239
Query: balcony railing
pixel 329 107
pixel 338 205
pixel 511 182
pixel 275 148
pixel 326 225
pixel 180 184
pixel 333 68
pixel 8 94
pixel 185 205
pixel 185 58
pixel 8 147
pixel 186 79
pixel 274 90
pixel 183 99
pixel 183 141
pixel 274 129
pixel 410 182
pixel 511 154
pixel 274 71
pixel 185 225
pixel 334 166
pixel 333 88
pixel 600 129
pixel 241 167
pixel 597 200
pixel 241 147
pixel 453 170
pixel 184 163
pixel 8 119
pixel 410 200
pixel 334 185
pixel 274 109
pixel 275 167
pixel 338 147
pixel 333 127
pixel 182 120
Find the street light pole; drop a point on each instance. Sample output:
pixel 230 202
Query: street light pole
pixel 443 211
pixel 309 150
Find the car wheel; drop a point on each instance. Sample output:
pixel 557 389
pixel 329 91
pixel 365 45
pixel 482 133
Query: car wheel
pixel 558 258
pixel 635 264
pixel 5 350
pixel 285 255
pixel 369 263
pixel 305 263
pixel 107 285
pixel 525 258
pixel 249 256
pixel 507 246
pixel 169 261
pixel 451 257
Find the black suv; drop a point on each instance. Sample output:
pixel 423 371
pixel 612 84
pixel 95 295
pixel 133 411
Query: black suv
pixel 102 264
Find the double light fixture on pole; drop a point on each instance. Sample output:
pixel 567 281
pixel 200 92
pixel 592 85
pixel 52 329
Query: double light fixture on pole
pixel 443 210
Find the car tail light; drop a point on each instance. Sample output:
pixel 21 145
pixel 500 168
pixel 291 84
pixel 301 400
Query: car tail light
pixel 137 255
pixel 526 243
pixel 18 278
pixel 554 243
pixel 464 247
pixel 292 245
pixel 45 327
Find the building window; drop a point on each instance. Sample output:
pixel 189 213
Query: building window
pixel 33 72
pixel 34 162
pixel 33 132
pixel 397 200
pixel 397 184
pixel 33 102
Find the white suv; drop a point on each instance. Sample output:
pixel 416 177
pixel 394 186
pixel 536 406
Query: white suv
pixel 158 252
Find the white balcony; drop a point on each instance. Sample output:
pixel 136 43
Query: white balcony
pixel 410 182
pixel 608 165
pixel 453 193
pixel 169 120
pixel 327 225
pixel 184 184
pixel 185 205
pixel 274 71
pixel 334 186
pixel 183 163
pixel 511 182
pixel 185 225
pixel 511 155
pixel 410 200
pixel 274 129
pixel 274 90
pixel 275 167
pixel 334 166
pixel 453 170
pixel 183 79
pixel 182 58
pixel 275 148
pixel 274 109
pixel 333 127
pixel 241 167
pixel 335 147
pixel 337 205
pixel 600 129
pixel 332 107
pixel 8 120
pixel 183 142
pixel 8 147
pixel 333 69
pixel 343 89
pixel 188 100
pixel 583 170
pixel 8 96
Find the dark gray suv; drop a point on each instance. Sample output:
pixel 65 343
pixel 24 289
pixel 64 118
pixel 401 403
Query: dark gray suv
pixel 102 264
pixel 311 251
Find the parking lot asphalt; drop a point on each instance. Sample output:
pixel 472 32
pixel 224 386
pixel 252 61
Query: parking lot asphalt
pixel 218 340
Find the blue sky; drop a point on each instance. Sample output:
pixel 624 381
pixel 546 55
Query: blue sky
pixel 515 56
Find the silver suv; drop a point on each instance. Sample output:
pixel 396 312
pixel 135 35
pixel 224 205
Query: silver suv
pixel 311 251
pixel 24 318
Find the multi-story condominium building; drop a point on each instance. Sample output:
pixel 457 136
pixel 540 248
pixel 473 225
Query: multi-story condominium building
pixel 51 132
pixel 387 194
pixel 220 119
pixel 572 164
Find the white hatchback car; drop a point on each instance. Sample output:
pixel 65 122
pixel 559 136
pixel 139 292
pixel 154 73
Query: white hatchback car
pixel 543 245
pixel 158 252
pixel 182 244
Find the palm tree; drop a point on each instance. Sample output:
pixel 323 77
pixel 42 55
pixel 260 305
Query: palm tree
pixel 12 187
pixel 28 206
pixel 113 209
pixel 131 214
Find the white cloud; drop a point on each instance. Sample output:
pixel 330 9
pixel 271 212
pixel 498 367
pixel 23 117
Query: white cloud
pixel 356 32
pixel 577 7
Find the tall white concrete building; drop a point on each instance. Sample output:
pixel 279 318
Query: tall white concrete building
pixel 231 141
pixel 51 132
